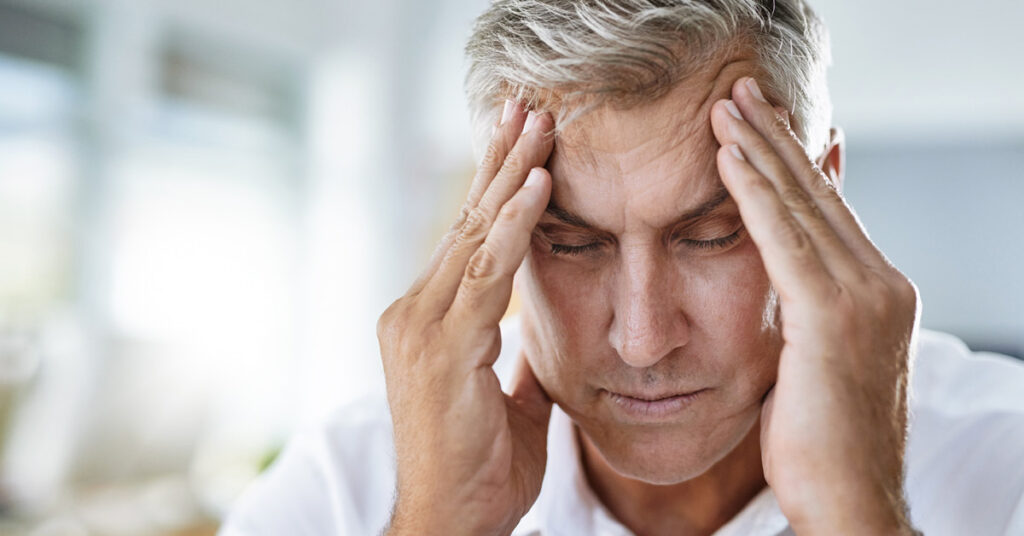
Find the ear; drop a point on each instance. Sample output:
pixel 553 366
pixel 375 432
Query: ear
pixel 833 160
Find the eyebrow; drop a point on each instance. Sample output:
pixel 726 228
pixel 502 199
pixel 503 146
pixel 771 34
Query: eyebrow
pixel 719 196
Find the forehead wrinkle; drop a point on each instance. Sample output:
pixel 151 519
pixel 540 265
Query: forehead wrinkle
pixel 691 121
pixel 600 163
pixel 718 86
pixel 695 139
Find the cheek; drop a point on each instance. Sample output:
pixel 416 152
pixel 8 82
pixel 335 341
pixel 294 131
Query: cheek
pixel 565 318
pixel 735 308
pixel 732 292
pixel 727 301
pixel 567 292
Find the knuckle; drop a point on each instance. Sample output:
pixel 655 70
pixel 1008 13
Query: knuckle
pixel 461 219
pixel 389 321
pixel 797 200
pixel 778 129
pixel 492 156
pixel 892 297
pixel 515 159
pixel 512 210
pixel 906 291
pixel 477 223
pixel 482 266
pixel 821 184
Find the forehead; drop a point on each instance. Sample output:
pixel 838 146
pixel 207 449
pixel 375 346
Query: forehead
pixel 647 164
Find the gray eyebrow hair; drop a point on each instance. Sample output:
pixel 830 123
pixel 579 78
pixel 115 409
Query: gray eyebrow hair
pixel 719 196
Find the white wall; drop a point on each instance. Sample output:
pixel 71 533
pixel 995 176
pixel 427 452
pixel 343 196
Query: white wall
pixel 936 70
pixel 930 95
pixel 951 216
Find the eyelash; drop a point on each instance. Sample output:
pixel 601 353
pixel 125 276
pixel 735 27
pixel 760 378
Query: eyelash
pixel 715 243
pixel 559 249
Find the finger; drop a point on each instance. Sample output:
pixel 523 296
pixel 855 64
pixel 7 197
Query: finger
pixel 519 163
pixel 783 113
pixel 531 150
pixel 790 258
pixel 755 108
pixel 512 122
pixel 731 128
pixel 486 286
pixel 508 128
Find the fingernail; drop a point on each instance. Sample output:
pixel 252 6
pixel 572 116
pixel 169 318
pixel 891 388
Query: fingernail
pixel 735 150
pixel 533 177
pixel 531 119
pixel 755 90
pixel 506 114
pixel 731 106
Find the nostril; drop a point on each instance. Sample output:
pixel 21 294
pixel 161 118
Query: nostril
pixel 648 321
pixel 641 340
pixel 640 356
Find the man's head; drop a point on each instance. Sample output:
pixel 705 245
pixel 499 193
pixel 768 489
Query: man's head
pixel 641 282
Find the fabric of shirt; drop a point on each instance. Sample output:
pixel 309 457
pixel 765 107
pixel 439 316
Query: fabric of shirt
pixel 964 463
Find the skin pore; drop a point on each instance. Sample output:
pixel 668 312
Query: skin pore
pixel 623 295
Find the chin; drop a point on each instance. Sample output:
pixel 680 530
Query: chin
pixel 666 455
pixel 670 465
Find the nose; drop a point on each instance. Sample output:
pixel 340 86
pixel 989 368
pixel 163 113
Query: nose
pixel 649 321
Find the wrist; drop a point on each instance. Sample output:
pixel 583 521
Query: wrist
pixel 845 505
pixel 434 520
pixel 889 520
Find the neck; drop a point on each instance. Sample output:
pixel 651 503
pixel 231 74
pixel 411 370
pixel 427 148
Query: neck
pixel 699 506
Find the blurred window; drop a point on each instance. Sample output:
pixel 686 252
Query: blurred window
pixel 39 91
pixel 205 247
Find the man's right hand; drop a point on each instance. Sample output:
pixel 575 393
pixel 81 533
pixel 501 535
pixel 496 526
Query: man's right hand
pixel 470 459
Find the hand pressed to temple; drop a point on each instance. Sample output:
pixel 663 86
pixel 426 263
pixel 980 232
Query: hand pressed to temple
pixel 470 458
pixel 833 427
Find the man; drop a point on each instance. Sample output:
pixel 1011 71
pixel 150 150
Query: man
pixel 709 342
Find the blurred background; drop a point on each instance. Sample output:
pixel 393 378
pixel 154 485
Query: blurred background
pixel 204 206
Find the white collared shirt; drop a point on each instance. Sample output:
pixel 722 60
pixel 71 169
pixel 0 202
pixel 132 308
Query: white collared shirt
pixel 964 461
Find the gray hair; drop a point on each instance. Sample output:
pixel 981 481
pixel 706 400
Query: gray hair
pixel 569 56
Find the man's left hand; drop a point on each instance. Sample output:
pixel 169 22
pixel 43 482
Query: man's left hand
pixel 833 428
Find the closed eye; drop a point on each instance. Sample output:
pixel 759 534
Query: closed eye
pixel 705 245
pixel 562 249
pixel 714 243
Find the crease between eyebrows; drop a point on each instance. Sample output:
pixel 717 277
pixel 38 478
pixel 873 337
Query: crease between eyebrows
pixel 720 196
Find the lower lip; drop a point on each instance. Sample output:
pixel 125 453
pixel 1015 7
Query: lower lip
pixel 653 410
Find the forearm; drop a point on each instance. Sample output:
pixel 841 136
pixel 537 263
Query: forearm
pixel 886 516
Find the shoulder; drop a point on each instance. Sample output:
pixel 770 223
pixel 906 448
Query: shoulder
pixel 966 435
pixel 338 477
pixel 335 478
pixel 949 377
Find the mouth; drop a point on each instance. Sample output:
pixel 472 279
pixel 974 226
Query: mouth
pixel 648 407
